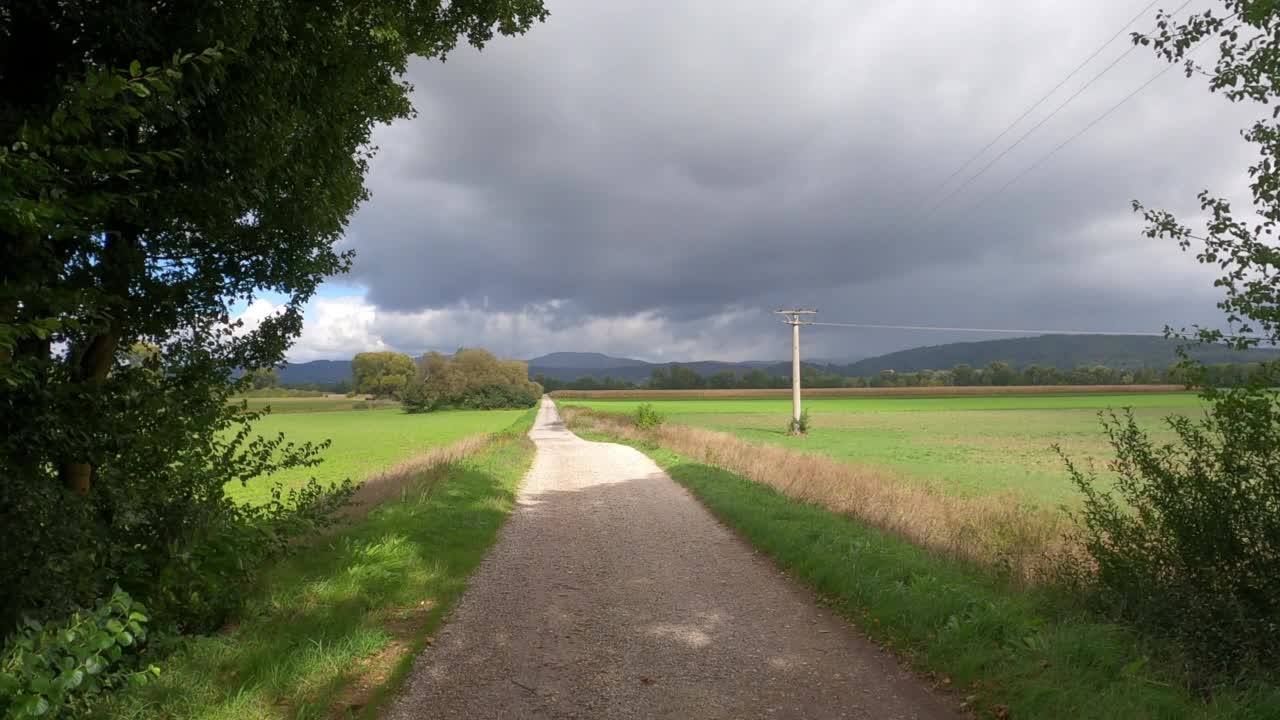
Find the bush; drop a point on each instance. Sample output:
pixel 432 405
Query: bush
pixel 200 588
pixel 801 426
pixel 56 669
pixel 472 379
pixel 647 418
pixel 1191 547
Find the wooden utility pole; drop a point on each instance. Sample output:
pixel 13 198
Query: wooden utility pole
pixel 795 319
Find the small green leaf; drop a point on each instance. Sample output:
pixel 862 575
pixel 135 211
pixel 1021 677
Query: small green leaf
pixel 1133 668
pixel 72 680
pixel 135 68
pixel 35 706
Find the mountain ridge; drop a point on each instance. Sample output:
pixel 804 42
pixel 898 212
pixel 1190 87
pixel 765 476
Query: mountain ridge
pixel 1065 352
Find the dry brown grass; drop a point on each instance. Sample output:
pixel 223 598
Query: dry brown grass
pixel 998 531
pixel 966 391
pixel 420 473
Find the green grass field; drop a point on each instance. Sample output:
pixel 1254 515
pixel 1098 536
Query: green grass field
pixel 325 403
pixel 960 445
pixel 330 631
pixel 364 441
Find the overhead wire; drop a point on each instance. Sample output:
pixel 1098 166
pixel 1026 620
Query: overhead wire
pixel 1044 97
pixel 1025 171
pixel 1009 331
pixel 1061 106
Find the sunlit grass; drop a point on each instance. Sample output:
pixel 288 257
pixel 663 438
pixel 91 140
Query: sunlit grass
pixel 330 629
pixel 365 441
pixel 965 446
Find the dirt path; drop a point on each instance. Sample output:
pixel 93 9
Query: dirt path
pixel 612 593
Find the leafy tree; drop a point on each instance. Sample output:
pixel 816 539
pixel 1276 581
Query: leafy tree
pixel 686 378
pixel 723 380
pixel 963 374
pixel 473 378
pixel 1191 548
pixel 754 379
pixel 382 374
pixel 1002 374
pixel 159 164
pixel 264 378
pixel 659 378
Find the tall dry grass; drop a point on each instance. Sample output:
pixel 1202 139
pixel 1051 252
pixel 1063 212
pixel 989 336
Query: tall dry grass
pixel 1000 532
pixel 942 391
pixel 420 473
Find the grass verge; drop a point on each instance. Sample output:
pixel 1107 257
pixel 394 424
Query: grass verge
pixel 994 531
pixel 1007 652
pixel 333 629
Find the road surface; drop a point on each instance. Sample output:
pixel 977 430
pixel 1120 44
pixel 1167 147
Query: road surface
pixel 612 593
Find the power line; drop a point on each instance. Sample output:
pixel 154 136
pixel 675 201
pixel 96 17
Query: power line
pixel 874 326
pixel 1082 131
pixel 1046 96
pixel 1043 120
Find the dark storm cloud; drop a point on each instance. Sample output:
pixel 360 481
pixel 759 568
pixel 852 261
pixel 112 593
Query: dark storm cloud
pixel 695 160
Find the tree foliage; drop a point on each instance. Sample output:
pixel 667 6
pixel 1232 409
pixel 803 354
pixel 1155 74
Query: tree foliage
pixel 1189 544
pixel 160 165
pixel 382 374
pixel 473 378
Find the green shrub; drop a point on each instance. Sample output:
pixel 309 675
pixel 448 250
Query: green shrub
pixel 472 379
pixel 56 669
pixel 1190 548
pixel 647 418
pixel 800 426
pixel 362 405
pixel 199 588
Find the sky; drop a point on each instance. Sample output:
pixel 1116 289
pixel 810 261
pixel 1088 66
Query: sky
pixel 653 179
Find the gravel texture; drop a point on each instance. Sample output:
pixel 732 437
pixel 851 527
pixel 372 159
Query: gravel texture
pixel 612 593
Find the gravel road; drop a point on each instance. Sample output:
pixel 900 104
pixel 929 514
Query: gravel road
pixel 612 593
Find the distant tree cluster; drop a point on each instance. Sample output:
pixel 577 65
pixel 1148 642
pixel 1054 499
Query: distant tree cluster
pixel 341 387
pixel 472 379
pixel 588 382
pixel 996 374
pixel 383 374
pixel 999 374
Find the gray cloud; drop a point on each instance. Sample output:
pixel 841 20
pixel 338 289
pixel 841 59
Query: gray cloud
pixel 694 164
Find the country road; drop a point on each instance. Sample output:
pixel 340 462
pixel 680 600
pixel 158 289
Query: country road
pixel 612 593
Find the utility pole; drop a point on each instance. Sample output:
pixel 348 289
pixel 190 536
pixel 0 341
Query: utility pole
pixel 795 318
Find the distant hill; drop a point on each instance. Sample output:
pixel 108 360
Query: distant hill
pixel 583 360
pixel 325 372
pixel 572 366
pixel 1066 352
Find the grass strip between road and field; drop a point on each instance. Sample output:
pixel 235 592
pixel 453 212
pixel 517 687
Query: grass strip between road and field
pixel 332 630
pixel 1004 651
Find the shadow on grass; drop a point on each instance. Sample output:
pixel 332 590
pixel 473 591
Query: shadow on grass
pixel 324 616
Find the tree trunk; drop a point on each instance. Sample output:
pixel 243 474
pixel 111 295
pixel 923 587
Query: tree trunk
pixel 92 362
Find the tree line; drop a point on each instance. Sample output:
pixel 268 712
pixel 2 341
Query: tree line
pixel 472 378
pixel 996 374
